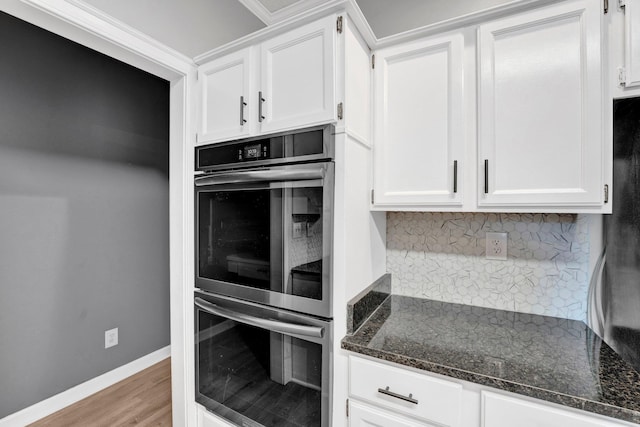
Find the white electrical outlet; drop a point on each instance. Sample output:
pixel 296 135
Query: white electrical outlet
pixel 110 338
pixel 496 246
pixel 297 229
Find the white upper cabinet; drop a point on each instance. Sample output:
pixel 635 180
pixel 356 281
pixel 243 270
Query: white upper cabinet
pixel 631 73
pixel 298 74
pixel 226 85
pixel 419 150
pixel 527 134
pixel 285 82
pixel 540 112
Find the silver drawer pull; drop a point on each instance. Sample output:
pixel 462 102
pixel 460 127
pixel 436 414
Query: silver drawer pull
pixel 409 399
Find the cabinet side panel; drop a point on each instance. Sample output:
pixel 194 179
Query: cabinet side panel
pixel 358 98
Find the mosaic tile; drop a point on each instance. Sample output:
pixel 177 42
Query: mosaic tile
pixel 440 256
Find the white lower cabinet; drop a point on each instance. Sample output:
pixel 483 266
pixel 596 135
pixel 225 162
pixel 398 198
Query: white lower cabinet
pixel 431 400
pixel 506 411
pixel 361 415
pixel 424 399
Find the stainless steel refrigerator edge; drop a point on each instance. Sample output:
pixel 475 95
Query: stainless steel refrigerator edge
pixel 615 292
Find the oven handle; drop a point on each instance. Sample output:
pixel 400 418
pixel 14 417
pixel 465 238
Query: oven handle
pixel 272 325
pixel 291 173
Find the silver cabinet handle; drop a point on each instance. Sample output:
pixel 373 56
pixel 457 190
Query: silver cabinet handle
pixel 242 105
pixel 486 176
pixel 260 101
pixel 455 176
pixel 272 325
pixel 388 392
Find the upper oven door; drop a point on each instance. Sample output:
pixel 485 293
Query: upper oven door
pixel 264 235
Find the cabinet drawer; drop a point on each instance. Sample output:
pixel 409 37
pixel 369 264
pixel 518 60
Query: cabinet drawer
pixel 365 416
pixel 432 399
pixel 505 411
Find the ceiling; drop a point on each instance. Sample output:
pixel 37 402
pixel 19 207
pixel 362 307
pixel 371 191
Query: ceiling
pixel 193 27
pixel 387 18
pixel 275 5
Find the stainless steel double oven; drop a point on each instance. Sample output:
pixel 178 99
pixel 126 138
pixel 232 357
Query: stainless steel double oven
pixel 263 303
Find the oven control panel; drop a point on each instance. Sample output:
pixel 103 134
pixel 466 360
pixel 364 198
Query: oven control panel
pixel 253 152
pixel 302 145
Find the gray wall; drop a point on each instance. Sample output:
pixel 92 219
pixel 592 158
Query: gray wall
pixel 84 243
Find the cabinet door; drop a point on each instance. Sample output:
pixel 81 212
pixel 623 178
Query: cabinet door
pixel 366 416
pixel 297 83
pixel 419 124
pixel 540 108
pixel 632 43
pixel 225 84
pixel 504 411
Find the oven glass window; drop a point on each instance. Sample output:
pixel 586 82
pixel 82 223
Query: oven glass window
pixel 268 377
pixel 270 239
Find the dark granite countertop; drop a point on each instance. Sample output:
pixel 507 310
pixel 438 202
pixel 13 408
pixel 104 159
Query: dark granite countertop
pixel 313 267
pixel 552 359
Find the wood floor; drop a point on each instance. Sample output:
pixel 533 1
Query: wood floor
pixel 141 400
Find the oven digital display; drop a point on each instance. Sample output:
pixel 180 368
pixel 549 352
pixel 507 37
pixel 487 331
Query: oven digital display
pixel 252 151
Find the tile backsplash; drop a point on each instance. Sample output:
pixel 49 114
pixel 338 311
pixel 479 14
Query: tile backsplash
pixel 441 256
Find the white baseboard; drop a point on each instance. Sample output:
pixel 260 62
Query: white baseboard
pixel 61 400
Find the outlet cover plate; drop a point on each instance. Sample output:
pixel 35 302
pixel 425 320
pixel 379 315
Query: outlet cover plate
pixel 111 338
pixel 496 246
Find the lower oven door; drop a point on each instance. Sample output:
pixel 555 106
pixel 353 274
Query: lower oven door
pixel 260 366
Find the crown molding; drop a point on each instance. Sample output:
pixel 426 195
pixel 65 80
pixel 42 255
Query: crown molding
pixel 83 24
pixel 258 9
pixel 270 18
pixel 304 12
pixel 459 22
pixel 127 29
pixel 361 23
pixel 308 15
